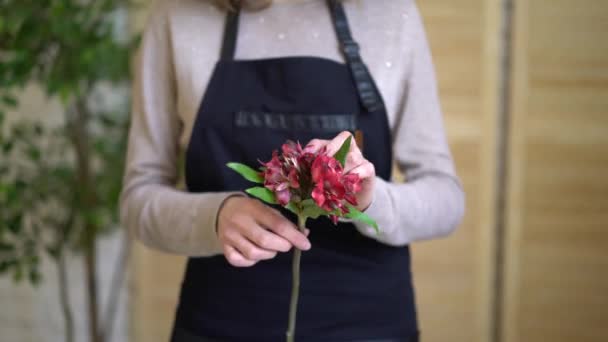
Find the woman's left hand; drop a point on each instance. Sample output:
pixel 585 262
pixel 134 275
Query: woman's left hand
pixel 355 163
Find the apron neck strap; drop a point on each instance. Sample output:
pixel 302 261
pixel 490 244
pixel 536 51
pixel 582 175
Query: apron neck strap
pixel 366 87
pixel 231 32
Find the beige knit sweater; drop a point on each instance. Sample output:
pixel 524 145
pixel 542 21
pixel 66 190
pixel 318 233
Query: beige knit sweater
pixel 181 44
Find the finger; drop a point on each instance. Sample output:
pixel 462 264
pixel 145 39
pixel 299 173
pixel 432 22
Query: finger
pixel 354 159
pixel 284 228
pixel 266 239
pixel 235 258
pixel 334 145
pixel 315 145
pixel 248 249
pixel 306 230
pixel 365 170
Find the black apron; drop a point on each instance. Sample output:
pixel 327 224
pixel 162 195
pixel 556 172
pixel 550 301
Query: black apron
pixel 353 288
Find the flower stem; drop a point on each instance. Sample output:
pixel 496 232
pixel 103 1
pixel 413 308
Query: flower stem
pixel 295 286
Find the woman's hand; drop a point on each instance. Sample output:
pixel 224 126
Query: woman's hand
pixel 355 163
pixel 250 231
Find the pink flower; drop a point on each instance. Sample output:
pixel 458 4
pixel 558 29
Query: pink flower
pixel 328 189
pixel 276 180
pixel 352 185
pixel 299 174
pixel 291 149
pixel 332 187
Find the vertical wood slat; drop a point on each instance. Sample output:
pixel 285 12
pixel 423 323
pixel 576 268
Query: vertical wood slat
pixel 557 265
pixel 490 162
pixel 154 292
pixel 454 277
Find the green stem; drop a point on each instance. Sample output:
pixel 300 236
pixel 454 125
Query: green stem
pixel 295 286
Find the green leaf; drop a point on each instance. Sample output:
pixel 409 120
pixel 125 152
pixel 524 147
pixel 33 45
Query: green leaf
pixel 343 151
pixel 34 153
pixel 6 265
pixel 362 217
pixel 34 276
pixel 263 194
pixel 9 101
pixel 310 209
pixel 53 251
pixel 7 147
pixel 14 224
pixel 247 172
pixel 5 247
pixel 38 129
pixel 293 208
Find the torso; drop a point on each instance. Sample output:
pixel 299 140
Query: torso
pixel 300 28
pixel 352 287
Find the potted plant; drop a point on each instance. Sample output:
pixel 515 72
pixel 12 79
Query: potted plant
pixel 59 185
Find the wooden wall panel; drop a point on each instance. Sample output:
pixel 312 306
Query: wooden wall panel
pixel 453 276
pixel 557 246
pixel 156 278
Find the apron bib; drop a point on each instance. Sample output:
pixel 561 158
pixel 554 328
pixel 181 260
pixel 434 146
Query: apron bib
pixel 353 288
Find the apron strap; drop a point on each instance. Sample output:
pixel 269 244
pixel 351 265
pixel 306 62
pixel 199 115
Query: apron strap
pixel 231 32
pixel 366 87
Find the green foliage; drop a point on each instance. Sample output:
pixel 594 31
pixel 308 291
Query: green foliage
pixel 263 194
pixel 42 210
pixel 343 151
pixel 247 172
pixel 310 209
pixel 357 215
pixel 49 201
pixel 64 45
pixel 306 208
pixel 31 198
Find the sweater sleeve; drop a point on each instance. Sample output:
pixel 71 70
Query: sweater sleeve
pixel 152 208
pixel 431 202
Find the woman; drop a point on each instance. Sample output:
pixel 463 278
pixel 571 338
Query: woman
pixel 228 85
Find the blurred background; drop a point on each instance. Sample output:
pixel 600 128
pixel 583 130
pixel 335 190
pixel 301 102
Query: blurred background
pixel 524 88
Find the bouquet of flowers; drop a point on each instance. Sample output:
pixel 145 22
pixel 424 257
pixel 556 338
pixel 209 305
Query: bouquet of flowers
pixel 309 184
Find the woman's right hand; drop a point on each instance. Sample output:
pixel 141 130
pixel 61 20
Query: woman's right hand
pixel 250 231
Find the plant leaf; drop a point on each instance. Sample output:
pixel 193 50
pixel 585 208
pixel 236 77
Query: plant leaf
pixel 247 172
pixel 9 101
pixel 293 208
pixel 362 217
pixel 343 151
pixel 263 194
pixel 310 209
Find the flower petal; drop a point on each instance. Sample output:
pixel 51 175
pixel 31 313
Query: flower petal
pixel 283 197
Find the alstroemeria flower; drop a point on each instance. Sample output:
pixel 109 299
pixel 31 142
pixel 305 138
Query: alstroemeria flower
pixel 332 187
pixel 352 185
pixel 276 180
pixel 310 184
pixel 297 174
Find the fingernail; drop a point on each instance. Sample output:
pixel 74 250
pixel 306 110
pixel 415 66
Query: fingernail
pixel 306 231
